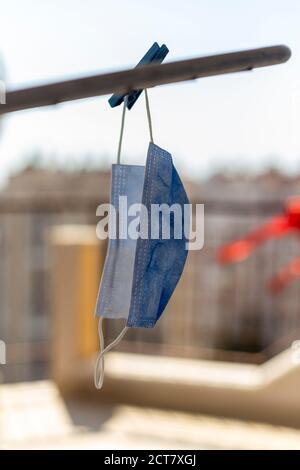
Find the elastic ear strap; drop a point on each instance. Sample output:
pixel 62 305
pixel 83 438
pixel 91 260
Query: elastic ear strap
pixel 99 366
pixel 123 124
pixel 149 115
pixel 121 131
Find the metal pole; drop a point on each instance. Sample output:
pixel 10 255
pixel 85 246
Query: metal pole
pixel 143 77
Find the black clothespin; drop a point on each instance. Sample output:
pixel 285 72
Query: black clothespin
pixel 155 54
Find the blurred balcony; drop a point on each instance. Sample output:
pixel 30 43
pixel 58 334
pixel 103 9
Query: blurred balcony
pixel 36 416
pixel 214 352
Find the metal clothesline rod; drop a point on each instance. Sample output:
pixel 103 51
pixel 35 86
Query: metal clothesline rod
pixel 144 77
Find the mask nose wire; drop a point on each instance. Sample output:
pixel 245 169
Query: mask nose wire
pixel 99 366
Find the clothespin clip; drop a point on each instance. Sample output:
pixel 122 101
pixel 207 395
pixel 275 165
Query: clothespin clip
pixel 155 54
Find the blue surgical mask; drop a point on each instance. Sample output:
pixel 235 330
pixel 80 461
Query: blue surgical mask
pixel 158 262
pixel 140 275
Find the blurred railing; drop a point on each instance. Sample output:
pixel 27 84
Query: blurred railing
pixel 216 312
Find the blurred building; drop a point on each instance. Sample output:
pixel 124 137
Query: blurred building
pixel 33 201
pixel 215 312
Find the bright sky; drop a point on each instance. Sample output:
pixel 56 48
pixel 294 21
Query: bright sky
pixel 247 119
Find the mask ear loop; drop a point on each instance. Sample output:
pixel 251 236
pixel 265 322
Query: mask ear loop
pixel 149 115
pixel 121 131
pixel 123 124
pixel 99 366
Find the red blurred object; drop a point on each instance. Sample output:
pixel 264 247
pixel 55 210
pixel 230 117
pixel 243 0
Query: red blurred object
pixel 288 274
pixel 278 226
